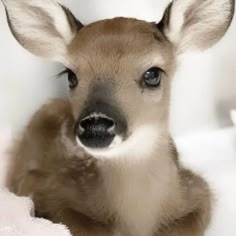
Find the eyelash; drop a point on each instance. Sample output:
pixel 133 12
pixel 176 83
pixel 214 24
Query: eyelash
pixel 71 76
pixel 64 72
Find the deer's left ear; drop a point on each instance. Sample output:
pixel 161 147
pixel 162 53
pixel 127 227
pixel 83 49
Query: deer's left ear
pixel 43 27
pixel 196 24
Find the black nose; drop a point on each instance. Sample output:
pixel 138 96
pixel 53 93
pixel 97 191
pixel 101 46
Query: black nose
pixel 96 131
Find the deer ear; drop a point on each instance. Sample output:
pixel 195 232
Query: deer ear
pixel 196 24
pixel 43 27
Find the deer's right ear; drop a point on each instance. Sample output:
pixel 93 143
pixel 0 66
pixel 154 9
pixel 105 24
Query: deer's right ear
pixel 43 27
pixel 196 24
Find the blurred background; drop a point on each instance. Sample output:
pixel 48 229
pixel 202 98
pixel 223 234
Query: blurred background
pixel 204 92
pixel 204 89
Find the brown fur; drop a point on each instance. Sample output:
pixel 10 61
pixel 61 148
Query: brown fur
pixel 143 192
pixel 65 184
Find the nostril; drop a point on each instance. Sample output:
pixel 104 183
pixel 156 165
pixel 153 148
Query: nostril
pixel 96 131
pixel 101 124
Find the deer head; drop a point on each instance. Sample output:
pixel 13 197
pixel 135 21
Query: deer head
pixel 119 70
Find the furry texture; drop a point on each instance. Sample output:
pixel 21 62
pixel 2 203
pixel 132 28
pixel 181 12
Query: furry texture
pixel 40 23
pixel 105 190
pixel 216 161
pixel 17 213
pixel 185 29
pixel 138 187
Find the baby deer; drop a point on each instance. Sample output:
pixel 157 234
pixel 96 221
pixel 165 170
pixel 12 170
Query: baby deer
pixel 102 161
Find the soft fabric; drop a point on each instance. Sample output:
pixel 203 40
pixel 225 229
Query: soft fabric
pixel 212 154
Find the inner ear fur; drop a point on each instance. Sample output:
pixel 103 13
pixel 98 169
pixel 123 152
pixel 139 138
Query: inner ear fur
pixel 43 27
pixel 196 24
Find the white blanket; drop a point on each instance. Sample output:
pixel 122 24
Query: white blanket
pixel 211 154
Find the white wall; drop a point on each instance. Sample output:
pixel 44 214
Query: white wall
pixel 203 92
pixel 204 89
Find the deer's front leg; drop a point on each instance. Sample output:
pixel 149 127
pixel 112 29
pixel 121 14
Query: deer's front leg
pixel 197 207
pixel 80 225
pixel 190 225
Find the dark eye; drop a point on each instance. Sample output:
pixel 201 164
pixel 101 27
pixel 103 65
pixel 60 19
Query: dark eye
pixel 72 78
pixel 152 77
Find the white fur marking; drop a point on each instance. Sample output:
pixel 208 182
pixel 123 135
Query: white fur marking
pixel 137 145
pixel 117 141
pixel 96 116
pixel 139 189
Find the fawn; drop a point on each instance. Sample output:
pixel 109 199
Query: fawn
pixel 102 161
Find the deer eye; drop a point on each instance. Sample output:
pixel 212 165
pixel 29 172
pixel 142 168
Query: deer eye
pixel 152 77
pixel 72 79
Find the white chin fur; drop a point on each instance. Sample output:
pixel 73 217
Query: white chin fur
pixel 136 146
